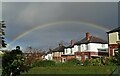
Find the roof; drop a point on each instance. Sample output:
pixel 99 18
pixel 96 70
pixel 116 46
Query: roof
pixel 92 39
pixel 70 46
pixel 59 49
pixel 115 30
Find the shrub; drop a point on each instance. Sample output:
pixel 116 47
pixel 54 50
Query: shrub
pixel 110 61
pixel 96 62
pixel 86 62
pixel 13 63
pixel 73 62
pixel 117 55
pixel 44 63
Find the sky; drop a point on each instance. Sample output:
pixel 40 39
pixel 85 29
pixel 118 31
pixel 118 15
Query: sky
pixel 59 0
pixel 44 24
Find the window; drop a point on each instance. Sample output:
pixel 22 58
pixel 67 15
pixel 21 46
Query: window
pixel 103 45
pixel 79 48
pixel 64 60
pixel 86 57
pixel 103 50
pixel 78 57
pixel 71 51
pixel 115 51
pixel 86 46
pixel 66 50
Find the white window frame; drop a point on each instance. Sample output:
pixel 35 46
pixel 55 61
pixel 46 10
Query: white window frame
pixel 114 51
pixel 103 45
pixel 78 57
pixel 79 48
pixel 86 46
pixel 86 57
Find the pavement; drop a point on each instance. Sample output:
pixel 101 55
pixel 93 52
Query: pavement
pixel 116 72
pixel 0 72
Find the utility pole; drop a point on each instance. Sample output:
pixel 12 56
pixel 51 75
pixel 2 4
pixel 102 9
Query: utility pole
pixel 2 35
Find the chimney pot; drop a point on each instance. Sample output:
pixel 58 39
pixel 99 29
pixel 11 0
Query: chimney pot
pixel 72 42
pixel 87 36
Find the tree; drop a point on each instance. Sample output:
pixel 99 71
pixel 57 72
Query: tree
pixel 117 55
pixel 2 34
pixel 13 63
pixel 32 55
pixel 116 58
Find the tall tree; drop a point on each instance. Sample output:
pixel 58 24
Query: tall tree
pixel 13 63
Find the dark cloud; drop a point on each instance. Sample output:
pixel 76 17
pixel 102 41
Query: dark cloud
pixel 20 17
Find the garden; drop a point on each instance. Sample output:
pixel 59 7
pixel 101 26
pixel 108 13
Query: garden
pixel 14 63
pixel 73 66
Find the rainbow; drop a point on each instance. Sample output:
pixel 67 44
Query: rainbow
pixel 93 25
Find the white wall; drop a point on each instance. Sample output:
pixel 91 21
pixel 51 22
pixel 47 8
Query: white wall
pixel 49 57
pixel 70 51
pixel 95 46
pixel 75 48
pixel 91 47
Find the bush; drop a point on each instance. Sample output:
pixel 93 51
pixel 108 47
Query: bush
pixel 44 63
pixel 96 62
pixel 73 62
pixel 117 55
pixel 86 62
pixel 110 62
pixel 13 63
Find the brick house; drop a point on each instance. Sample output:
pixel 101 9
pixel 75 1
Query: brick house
pixel 31 57
pixel 113 39
pixel 68 52
pixel 90 47
pixel 57 52
pixel 87 48
pixel 48 55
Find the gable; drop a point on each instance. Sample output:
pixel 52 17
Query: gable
pixel 113 38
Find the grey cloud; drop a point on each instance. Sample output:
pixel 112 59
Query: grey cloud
pixel 20 17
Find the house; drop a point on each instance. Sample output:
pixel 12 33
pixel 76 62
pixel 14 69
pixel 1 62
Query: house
pixel 48 56
pixel 57 52
pixel 113 39
pixel 68 52
pixel 36 56
pixel 90 47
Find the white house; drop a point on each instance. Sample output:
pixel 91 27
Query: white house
pixel 91 47
pixel 49 56
pixel 58 52
pixel 71 49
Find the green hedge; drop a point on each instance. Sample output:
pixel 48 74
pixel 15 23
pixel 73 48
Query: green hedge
pixel 73 62
pixel 43 63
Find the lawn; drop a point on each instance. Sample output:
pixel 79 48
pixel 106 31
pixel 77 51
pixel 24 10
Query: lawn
pixel 72 70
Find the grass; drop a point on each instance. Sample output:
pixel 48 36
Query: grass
pixel 72 70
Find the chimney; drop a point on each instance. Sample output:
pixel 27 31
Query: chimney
pixel 72 42
pixel 87 36
pixel 59 45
